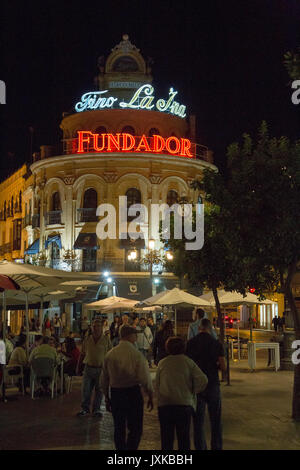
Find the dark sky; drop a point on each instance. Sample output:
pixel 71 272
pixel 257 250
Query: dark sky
pixel 224 58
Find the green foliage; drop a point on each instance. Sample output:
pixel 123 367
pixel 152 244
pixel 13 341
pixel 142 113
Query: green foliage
pixel 292 64
pixel 252 224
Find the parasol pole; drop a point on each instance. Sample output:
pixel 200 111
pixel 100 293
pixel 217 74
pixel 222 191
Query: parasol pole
pixel 4 316
pixel 27 322
pixel 175 317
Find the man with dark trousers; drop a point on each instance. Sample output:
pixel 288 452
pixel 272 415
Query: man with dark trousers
pixel 208 354
pixel 125 370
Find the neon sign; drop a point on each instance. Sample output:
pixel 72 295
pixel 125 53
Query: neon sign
pixel 143 98
pixel 122 142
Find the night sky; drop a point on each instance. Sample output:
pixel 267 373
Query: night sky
pixel 224 58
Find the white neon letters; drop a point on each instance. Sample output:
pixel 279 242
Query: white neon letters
pixel 143 98
pixel 93 100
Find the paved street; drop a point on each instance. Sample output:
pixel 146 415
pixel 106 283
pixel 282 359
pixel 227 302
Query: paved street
pixel 256 415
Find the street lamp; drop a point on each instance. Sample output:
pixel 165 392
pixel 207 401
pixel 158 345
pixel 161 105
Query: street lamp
pixel 169 256
pixel 132 255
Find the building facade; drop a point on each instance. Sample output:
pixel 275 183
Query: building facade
pixel 121 140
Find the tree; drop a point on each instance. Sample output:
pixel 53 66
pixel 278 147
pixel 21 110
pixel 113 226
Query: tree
pixel 263 185
pixel 292 64
pixel 252 224
pixel 209 267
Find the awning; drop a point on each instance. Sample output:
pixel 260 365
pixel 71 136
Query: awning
pixel 131 244
pixel 53 239
pixel 34 248
pixel 86 241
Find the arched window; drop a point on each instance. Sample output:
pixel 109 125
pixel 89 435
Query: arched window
pixel 153 131
pixel 90 202
pixel 133 197
pixel 20 200
pixel 128 130
pixel 172 197
pixel 90 199
pixel 12 206
pixel 101 130
pixel 56 206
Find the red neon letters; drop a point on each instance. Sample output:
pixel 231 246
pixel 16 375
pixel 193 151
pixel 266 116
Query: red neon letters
pixel 89 142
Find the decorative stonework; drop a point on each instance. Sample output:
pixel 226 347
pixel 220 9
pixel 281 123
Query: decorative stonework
pixel 155 179
pixel 125 45
pixel 110 176
pixel 69 180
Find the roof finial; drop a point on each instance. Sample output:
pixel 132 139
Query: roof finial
pixel 125 37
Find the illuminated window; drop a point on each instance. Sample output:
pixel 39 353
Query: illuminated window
pixel 128 130
pixel 172 197
pixel 153 131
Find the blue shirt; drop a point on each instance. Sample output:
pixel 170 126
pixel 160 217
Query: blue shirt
pixel 194 330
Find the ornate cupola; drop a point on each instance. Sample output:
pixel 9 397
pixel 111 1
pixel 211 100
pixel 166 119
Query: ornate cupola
pixel 124 71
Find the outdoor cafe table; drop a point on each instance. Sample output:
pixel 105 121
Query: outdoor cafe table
pixel 252 348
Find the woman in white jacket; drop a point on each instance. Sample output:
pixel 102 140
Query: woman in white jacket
pixel 178 380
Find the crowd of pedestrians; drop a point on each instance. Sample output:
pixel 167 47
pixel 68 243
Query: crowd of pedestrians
pixel 115 363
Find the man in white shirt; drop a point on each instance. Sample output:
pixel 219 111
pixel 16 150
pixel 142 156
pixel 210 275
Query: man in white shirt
pixel 144 338
pixel 124 371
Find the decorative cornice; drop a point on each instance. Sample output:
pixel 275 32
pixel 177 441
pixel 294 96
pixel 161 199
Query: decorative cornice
pixel 110 176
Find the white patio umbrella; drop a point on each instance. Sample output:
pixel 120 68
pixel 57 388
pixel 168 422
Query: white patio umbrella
pixel 234 298
pixel 176 297
pixel 99 304
pixel 126 304
pixel 32 278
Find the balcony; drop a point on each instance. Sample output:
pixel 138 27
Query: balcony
pixel 36 221
pixel 27 220
pixel 87 215
pixel 53 218
pixel 18 208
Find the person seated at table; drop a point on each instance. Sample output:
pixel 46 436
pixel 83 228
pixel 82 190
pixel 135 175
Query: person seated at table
pixel 46 349
pixel 70 350
pixel 37 342
pixel 53 342
pixel 18 358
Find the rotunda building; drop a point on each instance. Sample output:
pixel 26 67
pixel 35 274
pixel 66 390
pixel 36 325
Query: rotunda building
pixel 121 140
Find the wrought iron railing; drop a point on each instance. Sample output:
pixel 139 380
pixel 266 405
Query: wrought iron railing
pixel 86 215
pixel 53 218
pixel 36 221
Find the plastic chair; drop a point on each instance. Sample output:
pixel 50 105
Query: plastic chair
pixel 11 373
pixel 43 368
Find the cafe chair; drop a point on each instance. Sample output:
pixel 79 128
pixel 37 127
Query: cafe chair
pixel 43 368
pixel 13 374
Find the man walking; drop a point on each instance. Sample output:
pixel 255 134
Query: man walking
pixel 208 354
pixel 94 349
pixel 124 371
pixel 57 325
pixel 144 339
pixel 194 327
